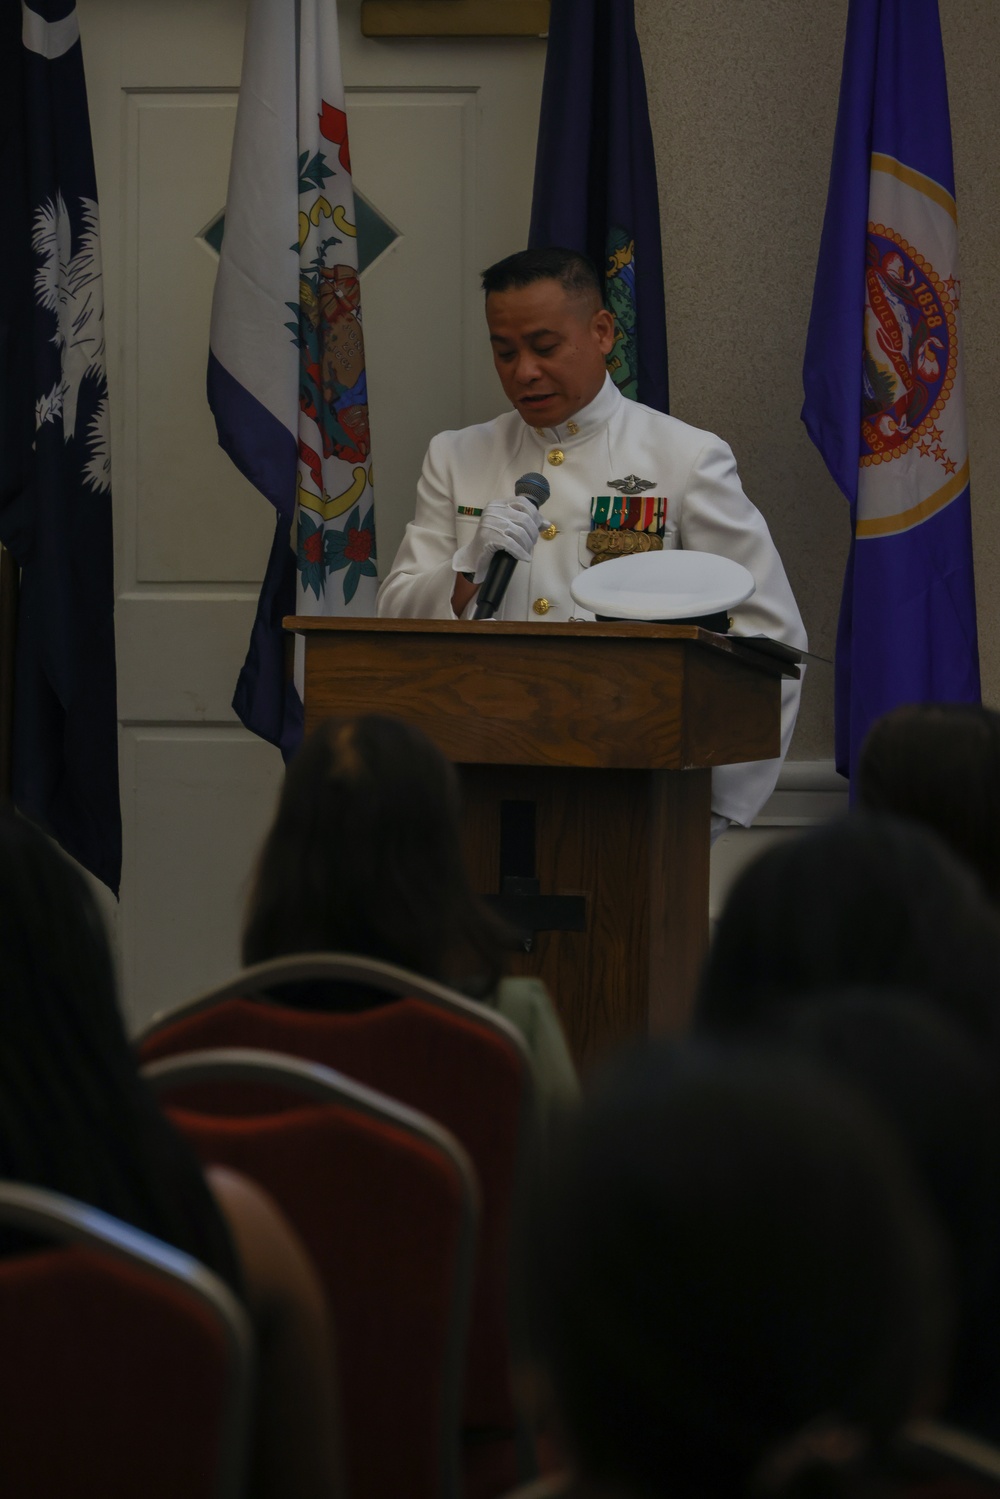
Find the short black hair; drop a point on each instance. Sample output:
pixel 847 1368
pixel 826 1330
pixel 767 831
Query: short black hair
pixel 866 899
pixel 729 1247
pixel 937 1088
pixel 576 273
pixel 939 763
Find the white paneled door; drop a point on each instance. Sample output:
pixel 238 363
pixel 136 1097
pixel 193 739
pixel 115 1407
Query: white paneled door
pixel 442 137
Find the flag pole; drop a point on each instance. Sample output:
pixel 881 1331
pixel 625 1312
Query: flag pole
pixel 10 583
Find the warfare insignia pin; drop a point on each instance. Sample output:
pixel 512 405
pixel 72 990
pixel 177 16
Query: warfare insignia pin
pixel 631 484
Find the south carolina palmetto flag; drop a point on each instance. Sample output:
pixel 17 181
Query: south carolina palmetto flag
pixel 55 459
pixel 883 376
pixel 286 377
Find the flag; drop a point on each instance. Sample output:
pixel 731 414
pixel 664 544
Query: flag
pixel 286 372
pixel 55 468
pixel 884 400
pixel 595 180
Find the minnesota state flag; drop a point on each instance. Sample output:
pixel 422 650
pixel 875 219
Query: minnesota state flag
pixel 884 398
pixel 286 376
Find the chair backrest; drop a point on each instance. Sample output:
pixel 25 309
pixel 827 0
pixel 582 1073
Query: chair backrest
pixel 936 1461
pixel 384 1200
pixel 126 1367
pixel 438 1052
pixel 295 968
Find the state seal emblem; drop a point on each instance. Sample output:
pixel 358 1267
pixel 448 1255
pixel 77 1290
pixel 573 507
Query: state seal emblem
pixel 334 443
pixel 910 348
pixel 913 439
pixel 620 299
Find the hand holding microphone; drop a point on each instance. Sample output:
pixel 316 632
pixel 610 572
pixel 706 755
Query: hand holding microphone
pixel 505 536
pixel 510 526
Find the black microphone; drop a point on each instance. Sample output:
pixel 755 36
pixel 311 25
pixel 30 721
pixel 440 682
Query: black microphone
pixel 533 487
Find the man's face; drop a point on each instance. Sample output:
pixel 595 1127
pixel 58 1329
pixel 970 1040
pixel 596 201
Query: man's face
pixel 549 350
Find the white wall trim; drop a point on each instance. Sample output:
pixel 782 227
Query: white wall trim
pixel 808 791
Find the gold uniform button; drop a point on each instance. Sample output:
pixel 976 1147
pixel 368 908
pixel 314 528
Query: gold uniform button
pixel 541 606
pixel 555 455
pixel 549 531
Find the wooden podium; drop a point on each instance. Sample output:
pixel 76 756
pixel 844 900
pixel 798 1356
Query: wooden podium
pixel 585 751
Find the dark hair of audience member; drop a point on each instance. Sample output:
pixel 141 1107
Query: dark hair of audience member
pixel 364 856
pixel 737 1282
pixel 866 899
pixel 75 1115
pixel 937 1090
pixel 939 763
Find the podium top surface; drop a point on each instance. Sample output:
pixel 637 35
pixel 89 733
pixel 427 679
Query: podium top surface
pixel 612 694
pixel 744 651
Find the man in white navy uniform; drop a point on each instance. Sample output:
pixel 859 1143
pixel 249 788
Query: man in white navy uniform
pixel 551 336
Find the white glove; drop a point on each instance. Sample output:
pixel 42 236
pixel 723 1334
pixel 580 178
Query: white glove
pixel 506 526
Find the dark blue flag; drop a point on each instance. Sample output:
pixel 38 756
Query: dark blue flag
pixel 883 376
pixel 55 475
pixel 595 180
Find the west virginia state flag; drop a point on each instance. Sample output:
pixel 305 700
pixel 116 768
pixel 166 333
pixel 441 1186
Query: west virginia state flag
pixel 286 377
pixel 883 376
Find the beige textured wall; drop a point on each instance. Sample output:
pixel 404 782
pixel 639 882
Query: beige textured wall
pixel 743 101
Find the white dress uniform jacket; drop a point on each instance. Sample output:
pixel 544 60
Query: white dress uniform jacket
pixel 707 511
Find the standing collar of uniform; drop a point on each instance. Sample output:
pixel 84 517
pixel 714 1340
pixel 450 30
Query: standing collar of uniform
pixel 589 419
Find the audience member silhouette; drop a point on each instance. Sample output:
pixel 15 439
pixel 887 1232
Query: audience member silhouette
pixel 933 1085
pixel 364 856
pixel 939 763
pixel 869 899
pixel 737 1284
pixel 76 1117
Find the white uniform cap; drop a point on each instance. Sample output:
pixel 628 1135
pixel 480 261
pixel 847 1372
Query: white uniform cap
pixel 669 585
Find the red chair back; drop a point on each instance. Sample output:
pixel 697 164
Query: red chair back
pixel 116 1378
pixel 465 1070
pixel 385 1207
